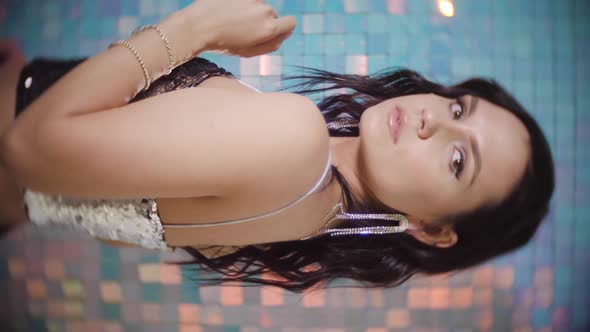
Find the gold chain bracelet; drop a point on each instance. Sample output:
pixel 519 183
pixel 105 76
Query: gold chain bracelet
pixel 166 41
pixel 138 57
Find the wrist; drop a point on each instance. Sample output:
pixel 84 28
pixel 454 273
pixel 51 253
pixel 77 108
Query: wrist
pixel 186 40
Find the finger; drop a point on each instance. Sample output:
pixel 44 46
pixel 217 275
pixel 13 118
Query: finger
pixel 258 50
pixel 281 38
pixel 267 47
pixel 285 24
pixel 276 41
pixel 270 10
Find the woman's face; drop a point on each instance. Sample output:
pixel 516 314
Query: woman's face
pixel 448 158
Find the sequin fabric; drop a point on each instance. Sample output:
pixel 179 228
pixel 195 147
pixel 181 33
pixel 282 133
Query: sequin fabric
pixel 133 221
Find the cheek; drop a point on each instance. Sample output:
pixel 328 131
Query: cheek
pixel 416 160
pixel 419 176
pixel 412 172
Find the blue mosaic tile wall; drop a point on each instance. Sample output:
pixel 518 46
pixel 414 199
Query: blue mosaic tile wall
pixel 539 50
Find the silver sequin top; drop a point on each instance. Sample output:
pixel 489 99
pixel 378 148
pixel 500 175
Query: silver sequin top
pixel 133 221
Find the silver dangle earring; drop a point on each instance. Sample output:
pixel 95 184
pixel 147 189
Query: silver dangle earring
pixel 346 122
pixel 402 227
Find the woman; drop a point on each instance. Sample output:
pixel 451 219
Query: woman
pixel 410 177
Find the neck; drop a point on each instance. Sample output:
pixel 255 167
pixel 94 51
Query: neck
pixel 345 153
pixel 346 157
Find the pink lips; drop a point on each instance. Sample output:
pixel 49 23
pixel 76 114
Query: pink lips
pixel 395 123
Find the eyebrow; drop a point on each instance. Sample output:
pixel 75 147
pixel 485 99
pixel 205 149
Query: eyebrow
pixel 474 144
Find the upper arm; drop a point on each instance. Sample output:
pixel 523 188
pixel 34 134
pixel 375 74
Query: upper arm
pixel 186 143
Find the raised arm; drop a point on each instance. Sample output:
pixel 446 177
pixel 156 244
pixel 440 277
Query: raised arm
pixel 111 78
pixel 185 143
pixel 106 80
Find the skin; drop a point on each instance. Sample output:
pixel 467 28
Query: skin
pixel 416 176
pixel 11 212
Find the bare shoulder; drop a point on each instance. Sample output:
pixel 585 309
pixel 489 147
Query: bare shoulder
pixel 312 136
pixel 306 108
pixel 301 147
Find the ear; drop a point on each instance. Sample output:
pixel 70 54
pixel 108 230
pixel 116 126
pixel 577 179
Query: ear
pixel 433 235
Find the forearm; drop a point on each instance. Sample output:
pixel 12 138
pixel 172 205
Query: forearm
pixel 110 78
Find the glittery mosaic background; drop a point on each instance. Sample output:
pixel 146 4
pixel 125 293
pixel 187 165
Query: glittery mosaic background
pixel 539 50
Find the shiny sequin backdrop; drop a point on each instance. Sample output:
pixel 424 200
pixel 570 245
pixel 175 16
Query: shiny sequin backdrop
pixel 540 50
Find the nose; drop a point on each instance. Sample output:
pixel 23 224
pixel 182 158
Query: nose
pixel 431 123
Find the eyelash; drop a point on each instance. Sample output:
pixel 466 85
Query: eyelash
pixel 459 169
pixel 460 103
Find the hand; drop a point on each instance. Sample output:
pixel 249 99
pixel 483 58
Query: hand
pixel 245 28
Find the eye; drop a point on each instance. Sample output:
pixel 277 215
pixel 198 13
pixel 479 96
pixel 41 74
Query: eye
pixel 457 162
pixel 457 109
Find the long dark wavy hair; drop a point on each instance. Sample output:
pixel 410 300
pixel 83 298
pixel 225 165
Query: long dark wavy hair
pixel 389 260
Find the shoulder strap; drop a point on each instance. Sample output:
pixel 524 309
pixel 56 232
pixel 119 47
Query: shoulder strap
pixel 236 221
